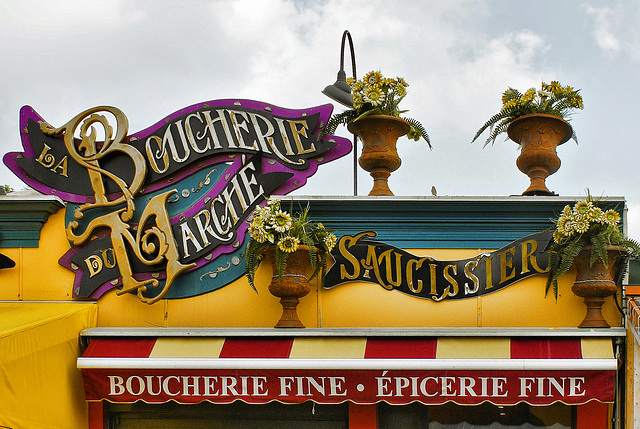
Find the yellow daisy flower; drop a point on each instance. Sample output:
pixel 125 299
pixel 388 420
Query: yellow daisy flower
pixel 288 244
pixel 556 88
pixel 528 96
pixel 569 227
pixel 560 227
pixel 558 237
pixel 581 209
pixel 258 233
pixel 581 226
pixel 595 214
pixel 330 241
pixel 611 217
pixel 374 96
pixel 373 78
pixel 281 221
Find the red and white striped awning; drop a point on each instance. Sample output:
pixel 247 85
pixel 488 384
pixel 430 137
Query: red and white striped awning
pixel 633 315
pixel 361 369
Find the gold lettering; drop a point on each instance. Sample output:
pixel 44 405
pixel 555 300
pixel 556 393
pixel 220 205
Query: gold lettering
pixel 287 144
pixel 450 278
pixel 108 264
pixel 204 227
pixel 387 256
pixel 45 158
pixel 190 136
pixel 296 136
pixel 222 222
pixel 264 138
pixel 94 264
pixel 371 263
pixel 153 242
pixel 187 235
pixel 225 127
pixel 527 255
pixel 228 195
pixel 507 262
pixel 487 262
pixel 453 284
pixel 433 279
pixel 349 257
pixel 284 135
pixel 409 272
pixel 468 268
pixel 168 139
pixel 159 153
pixel 61 165
pixel 238 127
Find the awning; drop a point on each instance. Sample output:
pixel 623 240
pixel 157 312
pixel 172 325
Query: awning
pixel 361 369
pixel 633 315
pixel 39 381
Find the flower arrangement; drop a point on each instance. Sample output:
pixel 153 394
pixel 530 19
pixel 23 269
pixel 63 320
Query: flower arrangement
pixel 582 225
pixel 552 99
pixel 271 226
pixel 376 95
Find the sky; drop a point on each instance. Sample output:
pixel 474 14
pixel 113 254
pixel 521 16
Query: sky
pixel 152 58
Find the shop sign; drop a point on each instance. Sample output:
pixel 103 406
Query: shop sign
pixel 359 386
pixel 360 258
pixel 170 201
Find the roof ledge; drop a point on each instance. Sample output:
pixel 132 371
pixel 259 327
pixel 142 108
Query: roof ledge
pixel 23 215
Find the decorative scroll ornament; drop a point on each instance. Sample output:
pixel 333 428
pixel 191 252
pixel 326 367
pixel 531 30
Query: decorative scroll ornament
pixel 153 243
pixel 163 203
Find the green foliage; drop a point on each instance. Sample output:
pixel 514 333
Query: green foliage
pixel 271 227
pixel 551 99
pixel 377 95
pixel 584 224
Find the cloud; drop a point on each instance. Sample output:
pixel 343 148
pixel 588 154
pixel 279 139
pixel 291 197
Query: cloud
pixel 151 58
pixel 602 31
pixel 615 28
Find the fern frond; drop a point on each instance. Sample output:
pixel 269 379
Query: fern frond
pixel 554 262
pixel 254 257
pixel 567 255
pixel 599 250
pixel 281 262
pixel 418 131
pixel 493 120
pixel 342 118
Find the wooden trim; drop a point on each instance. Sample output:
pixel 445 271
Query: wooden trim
pixel 442 222
pixel 593 415
pixel 362 416
pixel 97 415
pixel 632 290
pixel 22 217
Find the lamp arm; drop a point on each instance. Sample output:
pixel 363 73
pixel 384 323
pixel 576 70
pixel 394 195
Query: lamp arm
pixel 346 35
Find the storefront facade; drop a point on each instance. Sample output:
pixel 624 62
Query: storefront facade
pixel 433 313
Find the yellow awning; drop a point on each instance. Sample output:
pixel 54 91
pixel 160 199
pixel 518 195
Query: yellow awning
pixel 40 386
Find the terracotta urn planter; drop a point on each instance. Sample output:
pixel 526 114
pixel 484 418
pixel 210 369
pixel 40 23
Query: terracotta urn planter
pixel 538 136
pixel 595 283
pixel 379 135
pixel 293 285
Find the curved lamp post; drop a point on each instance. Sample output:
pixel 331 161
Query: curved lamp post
pixel 340 91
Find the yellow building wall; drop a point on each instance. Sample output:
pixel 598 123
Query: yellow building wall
pixel 38 277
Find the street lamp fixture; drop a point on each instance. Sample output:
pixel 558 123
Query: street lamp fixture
pixel 340 91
